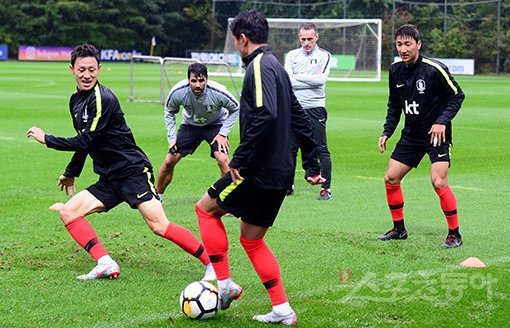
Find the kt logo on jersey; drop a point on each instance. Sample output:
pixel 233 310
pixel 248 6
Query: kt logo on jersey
pixel 412 108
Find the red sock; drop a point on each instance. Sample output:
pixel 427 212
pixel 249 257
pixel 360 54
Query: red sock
pixel 266 266
pixel 214 237
pixel 86 237
pixel 395 201
pixel 449 206
pixel 183 238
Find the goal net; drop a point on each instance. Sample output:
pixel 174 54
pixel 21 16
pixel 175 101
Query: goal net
pixel 354 44
pixel 152 77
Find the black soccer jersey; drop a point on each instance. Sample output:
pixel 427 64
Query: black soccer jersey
pixel 102 133
pixel 427 94
pixel 268 111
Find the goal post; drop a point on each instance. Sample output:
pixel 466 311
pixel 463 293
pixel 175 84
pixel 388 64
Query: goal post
pixel 146 74
pixel 152 74
pixel 355 45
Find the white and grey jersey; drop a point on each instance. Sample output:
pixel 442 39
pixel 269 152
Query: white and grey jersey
pixel 308 73
pixel 215 106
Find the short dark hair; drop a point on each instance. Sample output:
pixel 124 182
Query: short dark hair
pixel 251 23
pixel 408 30
pixel 84 50
pixel 309 26
pixel 197 69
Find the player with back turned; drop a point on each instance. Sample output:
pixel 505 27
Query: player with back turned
pixel 429 96
pixel 261 169
pixel 125 172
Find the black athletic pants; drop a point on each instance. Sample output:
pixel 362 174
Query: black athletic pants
pixel 318 117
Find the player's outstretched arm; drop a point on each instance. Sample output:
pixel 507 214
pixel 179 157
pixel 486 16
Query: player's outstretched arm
pixel 68 184
pixel 36 133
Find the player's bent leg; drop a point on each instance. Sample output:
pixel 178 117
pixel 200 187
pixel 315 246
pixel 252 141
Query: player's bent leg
pixel 82 204
pixel 166 171
pixel 155 217
pixel 448 202
pixel 73 215
pixel 439 174
pixel 214 237
pixel 395 198
pixel 396 172
pixel 268 270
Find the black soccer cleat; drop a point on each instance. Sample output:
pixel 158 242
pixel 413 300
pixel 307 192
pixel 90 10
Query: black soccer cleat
pixel 394 234
pixel 452 241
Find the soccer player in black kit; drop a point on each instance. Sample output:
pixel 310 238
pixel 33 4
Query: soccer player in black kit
pixel 261 170
pixel 429 96
pixel 125 172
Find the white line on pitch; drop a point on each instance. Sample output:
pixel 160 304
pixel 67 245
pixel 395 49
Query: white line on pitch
pixel 367 178
pixel 466 188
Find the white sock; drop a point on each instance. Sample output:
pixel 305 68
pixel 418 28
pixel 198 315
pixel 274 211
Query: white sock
pixel 282 309
pixel 224 284
pixel 160 197
pixel 106 259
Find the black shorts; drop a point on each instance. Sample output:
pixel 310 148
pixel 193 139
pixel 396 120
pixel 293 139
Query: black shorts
pixel 252 204
pixel 412 154
pixel 189 137
pixel 133 189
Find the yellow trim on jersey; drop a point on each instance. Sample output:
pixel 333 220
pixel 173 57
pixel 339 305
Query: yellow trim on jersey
pixel 225 192
pixel 258 80
pixel 436 65
pixel 146 171
pixel 99 108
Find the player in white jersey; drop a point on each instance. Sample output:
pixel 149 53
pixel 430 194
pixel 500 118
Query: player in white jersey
pixel 308 68
pixel 210 111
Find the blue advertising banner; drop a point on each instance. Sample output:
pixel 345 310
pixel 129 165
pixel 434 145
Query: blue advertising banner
pixel 3 52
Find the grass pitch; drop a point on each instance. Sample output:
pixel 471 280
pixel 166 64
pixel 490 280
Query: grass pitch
pixel 336 273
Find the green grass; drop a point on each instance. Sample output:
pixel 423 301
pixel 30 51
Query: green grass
pixel 335 271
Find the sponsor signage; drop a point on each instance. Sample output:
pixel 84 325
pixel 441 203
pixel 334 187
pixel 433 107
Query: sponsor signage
pixel 118 55
pixel 216 57
pixel 456 66
pixel 3 52
pixel 44 53
pixel 38 53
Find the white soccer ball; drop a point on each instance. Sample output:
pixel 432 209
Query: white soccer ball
pixel 199 300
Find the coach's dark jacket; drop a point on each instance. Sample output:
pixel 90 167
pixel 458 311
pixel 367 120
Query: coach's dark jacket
pixel 268 112
pixel 427 94
pixel 102 133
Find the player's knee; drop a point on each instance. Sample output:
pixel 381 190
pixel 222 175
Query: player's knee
pixel 169 163
pixel 157 229
pixel 438 182
pixel 222 162
pixel 391 180
pixel 67 214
